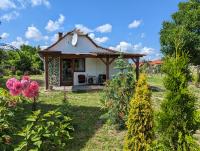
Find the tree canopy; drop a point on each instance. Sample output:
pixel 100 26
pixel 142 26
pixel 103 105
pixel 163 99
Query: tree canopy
pixel 186 19
pixel 26 59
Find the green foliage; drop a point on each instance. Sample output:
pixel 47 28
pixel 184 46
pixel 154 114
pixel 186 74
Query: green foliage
pixel 20 61
pixel 197 77
pixel 118 92
pixel 7 113
pixel 19 73
pixel 49 131
pixel 145 67
pixel 188 19
pixel 140 119
pixel 177 119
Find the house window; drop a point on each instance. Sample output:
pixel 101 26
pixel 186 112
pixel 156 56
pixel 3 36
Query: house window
pixel 79 65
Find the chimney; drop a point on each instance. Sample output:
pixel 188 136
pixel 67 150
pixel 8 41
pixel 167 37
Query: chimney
pixel 60 34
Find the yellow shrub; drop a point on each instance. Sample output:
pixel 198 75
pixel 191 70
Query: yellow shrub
pixel 140 120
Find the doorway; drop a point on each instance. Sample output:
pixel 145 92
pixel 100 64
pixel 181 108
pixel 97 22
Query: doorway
pixel 67 72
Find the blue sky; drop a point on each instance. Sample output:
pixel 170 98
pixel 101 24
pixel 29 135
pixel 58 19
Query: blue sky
pixel 127 25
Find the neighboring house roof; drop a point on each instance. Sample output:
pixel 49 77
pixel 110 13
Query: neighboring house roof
pixel 154 62
pixel 85 46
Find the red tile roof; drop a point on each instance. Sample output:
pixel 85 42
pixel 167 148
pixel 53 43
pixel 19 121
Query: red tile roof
pixel 154 62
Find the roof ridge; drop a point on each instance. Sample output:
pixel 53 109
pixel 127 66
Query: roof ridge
pixel 81 34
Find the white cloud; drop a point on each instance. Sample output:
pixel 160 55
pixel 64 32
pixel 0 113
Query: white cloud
pixel 123 46
pixel 135 24
pixel 54 38
pixel 4 35
pixel 104 28
pixel 9 16
pixel 98 40
pixel 147 50
pixel 83 28
pixel 34 33
pixel 134 48
pixel 55 25
pixel 43 47
pixel 143 35
pixel 46 38
pixel 40 2
pixel 18 42
pixel 6 4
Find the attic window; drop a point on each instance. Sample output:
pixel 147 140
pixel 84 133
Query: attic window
pixel 79 65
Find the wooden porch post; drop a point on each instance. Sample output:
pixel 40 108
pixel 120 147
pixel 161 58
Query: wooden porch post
pixel 107 63
pixel 107 68
pixel 137 69
pixel 46 73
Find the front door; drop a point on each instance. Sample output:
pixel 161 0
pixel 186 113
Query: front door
pixel 67 72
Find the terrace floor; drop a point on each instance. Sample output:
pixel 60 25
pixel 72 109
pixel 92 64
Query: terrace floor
pixel 79 88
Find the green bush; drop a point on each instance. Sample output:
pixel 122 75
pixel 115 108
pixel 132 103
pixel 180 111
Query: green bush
pixel 196 78
pixel 117 94
pixel 25 59
pixel 49 131
pixel 140 119
pixel 7 72
pixel 8 109
pixel 19 73
pixel 177 120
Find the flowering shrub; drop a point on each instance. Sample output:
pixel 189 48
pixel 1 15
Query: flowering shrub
pixel 25 87
pixel 41 131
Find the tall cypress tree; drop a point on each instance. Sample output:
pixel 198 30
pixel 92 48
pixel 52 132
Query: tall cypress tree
pixel 177 118
pixel 140 120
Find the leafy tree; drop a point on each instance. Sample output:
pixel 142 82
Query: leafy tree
pixel 29 59
pixel 23 60
pixel 140 119
pixel 187 18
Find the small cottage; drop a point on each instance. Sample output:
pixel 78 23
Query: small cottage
pixel 75 59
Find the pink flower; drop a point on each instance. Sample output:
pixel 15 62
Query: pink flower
pixel 10 82
pixel 25 84
pixel 14 92
pixel 27 93
pixel 26 78
pixel 34 86
pixel 17 86
pixel 32 91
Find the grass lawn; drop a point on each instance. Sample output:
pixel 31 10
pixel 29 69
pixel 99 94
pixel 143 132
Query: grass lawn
pixel 91 133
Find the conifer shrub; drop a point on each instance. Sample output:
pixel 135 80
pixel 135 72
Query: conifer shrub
pixel 117 94
pixel 140 119
pixel 177 120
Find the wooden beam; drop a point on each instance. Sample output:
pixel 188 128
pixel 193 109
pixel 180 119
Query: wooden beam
pixel 111 60
pixel 103 60
pixel 137 65
pixel 46 73
pixel 61 70
pixel 133 59
pixel 107 68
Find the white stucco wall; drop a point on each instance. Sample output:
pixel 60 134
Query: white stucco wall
pixel 94 67
pixel 84 45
